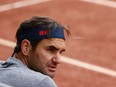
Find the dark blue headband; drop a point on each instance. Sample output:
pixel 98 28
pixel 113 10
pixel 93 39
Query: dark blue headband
pixel 41 33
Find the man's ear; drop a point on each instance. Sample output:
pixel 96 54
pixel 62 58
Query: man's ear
pixel 25 47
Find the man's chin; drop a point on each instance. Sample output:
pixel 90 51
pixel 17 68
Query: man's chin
pixel 50 74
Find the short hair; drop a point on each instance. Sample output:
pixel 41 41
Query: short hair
pixel 36 22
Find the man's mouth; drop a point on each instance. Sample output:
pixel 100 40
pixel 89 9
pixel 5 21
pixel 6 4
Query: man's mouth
pixel 52 68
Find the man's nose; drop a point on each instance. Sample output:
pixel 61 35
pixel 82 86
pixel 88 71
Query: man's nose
pixel 57 59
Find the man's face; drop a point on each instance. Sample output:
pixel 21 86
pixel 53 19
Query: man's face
pixel 47 56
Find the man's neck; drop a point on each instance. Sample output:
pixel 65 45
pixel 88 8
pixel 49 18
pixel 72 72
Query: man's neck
pixel 22 58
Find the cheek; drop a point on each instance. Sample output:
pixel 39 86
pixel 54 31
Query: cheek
pixel 43 56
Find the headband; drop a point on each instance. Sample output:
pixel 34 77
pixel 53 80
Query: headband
pixel 41 33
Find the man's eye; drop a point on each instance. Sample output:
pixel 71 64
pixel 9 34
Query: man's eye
pixel 51 50
pixel 62 51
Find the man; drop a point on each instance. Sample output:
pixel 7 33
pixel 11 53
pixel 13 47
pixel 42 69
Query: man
pixel 40 43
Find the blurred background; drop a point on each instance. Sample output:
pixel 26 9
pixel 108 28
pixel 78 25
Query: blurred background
pixel 92 21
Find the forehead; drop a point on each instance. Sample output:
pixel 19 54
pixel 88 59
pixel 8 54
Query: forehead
pixel 57 42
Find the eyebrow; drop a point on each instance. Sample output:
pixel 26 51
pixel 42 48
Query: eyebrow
pixel 55 48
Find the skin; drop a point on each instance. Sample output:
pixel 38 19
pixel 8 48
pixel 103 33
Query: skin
pixel 45 58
